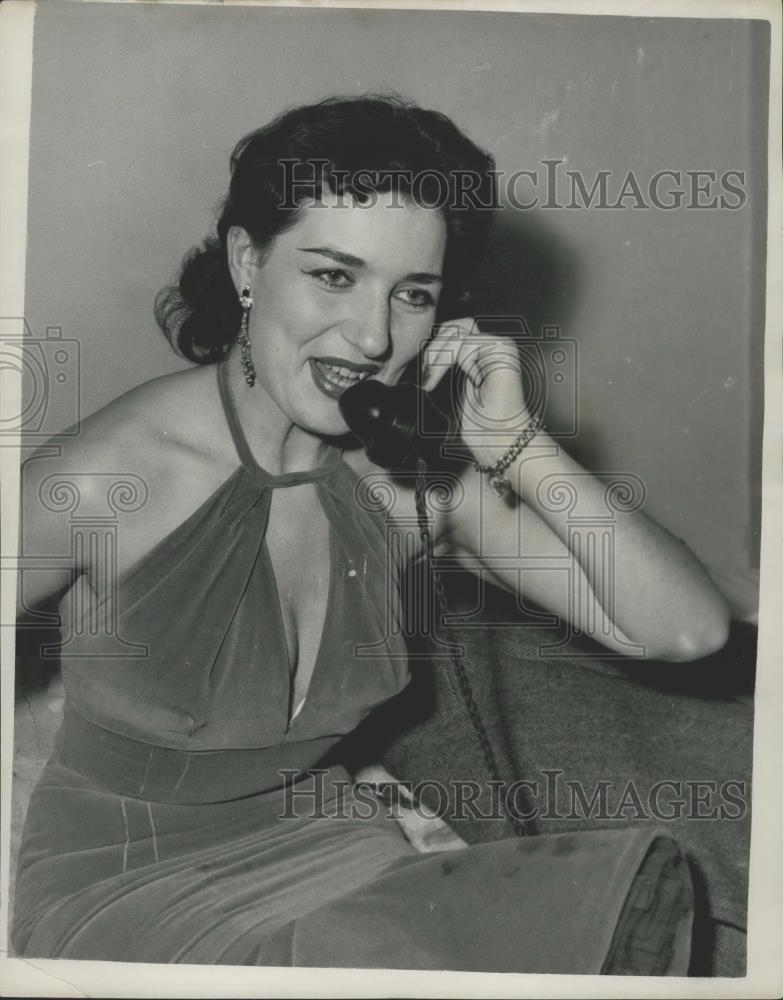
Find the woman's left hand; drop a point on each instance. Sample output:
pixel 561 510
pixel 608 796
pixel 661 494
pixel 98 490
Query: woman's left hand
pixel 493 408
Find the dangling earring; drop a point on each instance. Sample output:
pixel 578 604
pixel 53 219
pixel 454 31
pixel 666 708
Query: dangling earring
pixel 248 368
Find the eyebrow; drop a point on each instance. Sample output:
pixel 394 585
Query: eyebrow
pixel 422 277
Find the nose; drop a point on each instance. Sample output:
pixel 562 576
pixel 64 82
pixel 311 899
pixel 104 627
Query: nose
pixel 369 330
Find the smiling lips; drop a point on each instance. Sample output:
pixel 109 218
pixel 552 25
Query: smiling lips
pixel 334 375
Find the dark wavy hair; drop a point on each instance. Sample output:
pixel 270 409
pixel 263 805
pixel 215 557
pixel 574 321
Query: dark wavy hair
pixel 353 146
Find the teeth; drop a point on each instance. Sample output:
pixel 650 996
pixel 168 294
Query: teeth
pixel 341 374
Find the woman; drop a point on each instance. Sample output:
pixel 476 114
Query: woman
pixel 254 623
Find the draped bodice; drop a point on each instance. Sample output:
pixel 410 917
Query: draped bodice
pixel 192 655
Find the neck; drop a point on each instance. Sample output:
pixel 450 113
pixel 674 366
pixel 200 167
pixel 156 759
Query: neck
pixel 277 443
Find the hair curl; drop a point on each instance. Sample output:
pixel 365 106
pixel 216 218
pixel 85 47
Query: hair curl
pixel 350 145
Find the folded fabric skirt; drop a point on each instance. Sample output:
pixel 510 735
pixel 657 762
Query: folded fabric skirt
pixel 318 878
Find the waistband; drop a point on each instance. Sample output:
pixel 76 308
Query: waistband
pixel 132 768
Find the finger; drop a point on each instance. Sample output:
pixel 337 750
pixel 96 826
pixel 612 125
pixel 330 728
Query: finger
pixel 444 350
pixel 478 355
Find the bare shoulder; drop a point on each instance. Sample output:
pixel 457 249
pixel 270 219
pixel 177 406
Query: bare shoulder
pixel 141 464
pixel 144 459
pixel 151 430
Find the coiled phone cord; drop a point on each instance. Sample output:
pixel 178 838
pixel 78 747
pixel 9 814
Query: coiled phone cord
pixel 463 681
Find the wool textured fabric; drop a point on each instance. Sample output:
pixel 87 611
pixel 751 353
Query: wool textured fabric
pixel 185 815
pixel 676 739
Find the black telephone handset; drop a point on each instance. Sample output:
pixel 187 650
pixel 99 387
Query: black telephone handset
pixel 401 424
pixel 397 424
pixel 402 429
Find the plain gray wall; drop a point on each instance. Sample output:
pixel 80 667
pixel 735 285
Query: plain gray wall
pixel 136 108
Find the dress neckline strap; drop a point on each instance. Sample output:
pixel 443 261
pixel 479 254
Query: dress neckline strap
pixel 246 455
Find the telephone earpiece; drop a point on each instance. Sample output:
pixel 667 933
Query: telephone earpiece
pixel 397 424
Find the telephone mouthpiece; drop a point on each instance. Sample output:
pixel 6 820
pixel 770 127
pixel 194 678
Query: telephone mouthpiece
pixel 396 423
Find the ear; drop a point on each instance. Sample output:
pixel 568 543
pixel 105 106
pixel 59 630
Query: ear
pixel 242 256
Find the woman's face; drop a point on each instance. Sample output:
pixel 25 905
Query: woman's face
pixel 348 292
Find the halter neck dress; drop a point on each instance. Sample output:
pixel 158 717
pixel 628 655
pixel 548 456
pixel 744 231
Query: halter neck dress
pixel 185 815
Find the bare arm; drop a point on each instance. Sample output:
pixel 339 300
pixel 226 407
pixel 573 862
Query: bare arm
pixel 640 593
pixel 47 566
pixel 586 552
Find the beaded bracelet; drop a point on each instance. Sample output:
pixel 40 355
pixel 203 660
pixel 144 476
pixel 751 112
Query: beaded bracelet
pixel 499 482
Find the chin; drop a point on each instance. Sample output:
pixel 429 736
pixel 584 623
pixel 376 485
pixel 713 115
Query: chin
pixel 326 423
pixel 337 428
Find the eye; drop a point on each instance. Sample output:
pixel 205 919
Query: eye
pixel 417 298
pixel 332 277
